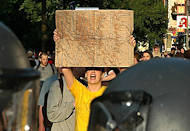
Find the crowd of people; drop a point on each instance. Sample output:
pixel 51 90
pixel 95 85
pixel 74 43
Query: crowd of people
pixel 66 93
pixel 64 100
pixel 177 51
pixel 34 57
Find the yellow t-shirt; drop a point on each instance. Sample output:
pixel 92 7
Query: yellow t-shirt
pixel 83 99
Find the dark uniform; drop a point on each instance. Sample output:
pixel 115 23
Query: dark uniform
pixel 150 96
pixel 18 90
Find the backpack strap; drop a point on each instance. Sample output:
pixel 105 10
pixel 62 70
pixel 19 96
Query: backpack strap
pixel 52 68
pixel 61 84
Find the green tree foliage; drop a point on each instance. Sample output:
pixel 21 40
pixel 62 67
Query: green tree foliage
pixel 33 11
pixel 25 30
pixel 150 17
pixel 150 20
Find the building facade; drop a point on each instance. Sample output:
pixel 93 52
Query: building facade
pixel 175 34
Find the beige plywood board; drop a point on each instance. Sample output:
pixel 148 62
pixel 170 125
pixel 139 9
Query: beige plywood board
pixel 94 38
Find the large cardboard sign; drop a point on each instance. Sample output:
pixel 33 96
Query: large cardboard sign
pixel 94 38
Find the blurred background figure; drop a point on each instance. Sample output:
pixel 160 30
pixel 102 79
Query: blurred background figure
pixel 172 53
pixel 156 51
pixel 147 55
pixel 46 69
pixel 180 52
pixel 31 58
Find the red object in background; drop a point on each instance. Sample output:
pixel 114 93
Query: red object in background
pixel 174 33
pixel 183 22
pixel 50 61
pixel 35 55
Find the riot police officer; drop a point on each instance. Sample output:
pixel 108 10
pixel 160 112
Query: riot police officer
pixel 150 96
pixel 17 82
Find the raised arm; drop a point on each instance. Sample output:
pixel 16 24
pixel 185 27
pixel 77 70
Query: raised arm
pixel 69 77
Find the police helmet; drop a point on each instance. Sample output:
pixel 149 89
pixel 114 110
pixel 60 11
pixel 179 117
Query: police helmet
pixel 15 71
pixel 150 96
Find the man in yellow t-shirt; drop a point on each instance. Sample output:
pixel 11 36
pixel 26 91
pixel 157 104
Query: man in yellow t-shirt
pixel 84 95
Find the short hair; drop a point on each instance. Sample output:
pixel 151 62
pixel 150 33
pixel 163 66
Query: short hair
pixel 149 52
pixel 173 48
pixel 43 54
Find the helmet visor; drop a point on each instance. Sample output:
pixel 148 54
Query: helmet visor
pixel 106 120
pixel 122 113
pixel 15 79
pixel 103 121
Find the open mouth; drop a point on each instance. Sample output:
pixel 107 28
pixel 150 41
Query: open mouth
pixel 92 76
